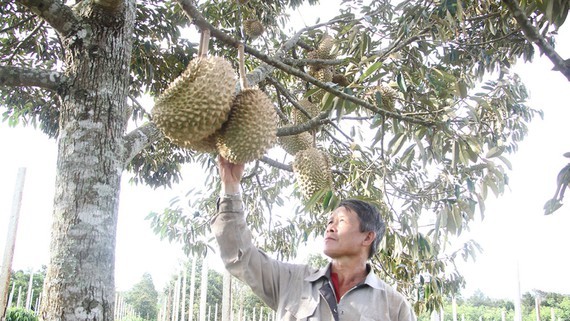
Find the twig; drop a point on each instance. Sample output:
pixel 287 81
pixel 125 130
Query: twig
pixel 534 36
pixel 15 50
pixel 276 164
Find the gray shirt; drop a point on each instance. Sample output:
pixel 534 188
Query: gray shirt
pixel 296 291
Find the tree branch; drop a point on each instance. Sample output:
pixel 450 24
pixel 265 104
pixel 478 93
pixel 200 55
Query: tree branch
pixel 138 139
pixel 304 62
pixel 313 123
pixel 276 164
pixel 14 76
pixel 17 25
pixel 199 20
pixel 534 36
pixel 54 12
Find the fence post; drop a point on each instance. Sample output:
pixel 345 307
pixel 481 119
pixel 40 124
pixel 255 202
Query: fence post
pixel 11 241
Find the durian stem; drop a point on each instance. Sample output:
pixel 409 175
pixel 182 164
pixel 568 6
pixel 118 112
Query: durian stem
pixel 204 43
pixel 242 74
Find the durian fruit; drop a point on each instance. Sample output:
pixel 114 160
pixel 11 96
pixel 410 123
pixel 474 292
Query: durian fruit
pixel 314 55
pixel 324 74
pixel 309 107
pixel 388 95
pixel 312 171
pixel 205 145
pixel 251 128
pixel 294 143
pixel 198 102
pixel 253 28
pixel 324 49
pixel 340 79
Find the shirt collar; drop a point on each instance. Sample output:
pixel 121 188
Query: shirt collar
pixel 320 273
pixel 324 272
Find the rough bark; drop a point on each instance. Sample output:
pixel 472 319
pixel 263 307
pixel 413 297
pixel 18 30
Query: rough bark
pixel 14 76
pixel 57 14
pixel 79 284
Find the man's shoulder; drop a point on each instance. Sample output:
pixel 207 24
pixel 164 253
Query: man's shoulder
pixel 374 281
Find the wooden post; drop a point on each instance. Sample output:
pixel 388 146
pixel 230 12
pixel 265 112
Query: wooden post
pixel 11 296
pixel 19 300
pixel 183 301
pixel 11 241
pixel 537 307
pixel 227 297
pixel 203 289
pixel 30 293
pixel 192 290
pixel 454 308
pixel 434 316
pixel 176 300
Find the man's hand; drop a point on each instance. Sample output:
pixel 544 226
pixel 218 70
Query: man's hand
pixel 230 174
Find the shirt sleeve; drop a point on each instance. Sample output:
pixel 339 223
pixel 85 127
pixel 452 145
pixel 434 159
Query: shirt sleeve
pixel 264 275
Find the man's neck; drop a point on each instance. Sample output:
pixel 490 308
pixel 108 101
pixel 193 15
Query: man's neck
pixel 349 274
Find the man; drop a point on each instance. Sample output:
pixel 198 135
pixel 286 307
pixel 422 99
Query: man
pixel 345 290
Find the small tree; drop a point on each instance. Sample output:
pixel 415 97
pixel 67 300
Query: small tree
pixel 143 297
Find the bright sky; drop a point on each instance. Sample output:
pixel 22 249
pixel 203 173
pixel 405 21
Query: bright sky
pixel 514 228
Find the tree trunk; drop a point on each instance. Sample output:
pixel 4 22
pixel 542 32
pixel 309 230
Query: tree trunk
pixel 80 281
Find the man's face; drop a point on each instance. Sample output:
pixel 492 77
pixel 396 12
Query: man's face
pixel 343 236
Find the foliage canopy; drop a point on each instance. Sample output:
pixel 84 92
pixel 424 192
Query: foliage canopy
pixel 428 161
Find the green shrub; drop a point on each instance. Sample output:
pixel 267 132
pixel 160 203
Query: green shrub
pixel 20 314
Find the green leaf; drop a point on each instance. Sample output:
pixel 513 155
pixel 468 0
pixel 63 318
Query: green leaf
pixel 378 97
pixel 401 82
pixel 495 151
pixel 370 70
pixel 461 88
pixel 396 143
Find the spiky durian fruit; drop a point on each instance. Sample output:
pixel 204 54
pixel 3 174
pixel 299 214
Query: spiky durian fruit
pixel 314 55
pixel 312 171
pixel 294 143
pixel 251 128
pixel 205 145
pixel 388 95
pixel 322 74
pixel 324 49
pixel 253 28
pixel 198 102
pixel 312 109
pixel 340 79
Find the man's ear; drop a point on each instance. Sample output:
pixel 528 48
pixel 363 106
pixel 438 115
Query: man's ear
pixel 370 236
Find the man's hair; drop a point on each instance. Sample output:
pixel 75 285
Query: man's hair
pixel 370 220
